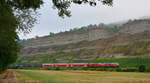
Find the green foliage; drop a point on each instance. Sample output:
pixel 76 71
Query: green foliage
pixel 123 62
pixel 142 68
pixel 148 69
pixel 63 5
pixel 15 16
pixel 113 28
pixel 51 34
pixel 129 70
pixel 8 41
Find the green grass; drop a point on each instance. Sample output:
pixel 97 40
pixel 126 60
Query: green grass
pixel 83 76
pixel 42 77
pixel 124 62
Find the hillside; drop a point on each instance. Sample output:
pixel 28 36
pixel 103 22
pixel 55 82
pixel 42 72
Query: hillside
pixel 130 40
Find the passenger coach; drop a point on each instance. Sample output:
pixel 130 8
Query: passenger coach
pixel 78 65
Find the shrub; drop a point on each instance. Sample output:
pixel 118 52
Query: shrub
pixel 118 69
pixel 142 68
pixel 131 69
pixel 85 68
pixel 148 69
pixel 91 69
pixel 74 68
pixel 57 68
pixel 127 69
pixel 99 69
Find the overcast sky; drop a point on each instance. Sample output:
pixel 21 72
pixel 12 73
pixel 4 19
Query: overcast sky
pixel 83 15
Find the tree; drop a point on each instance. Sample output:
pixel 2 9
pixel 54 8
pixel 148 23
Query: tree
pixel 142 68
pixel 8 39
pixel 19 16
pixel 51 34
pixel 63 5
pixel 15 15
pixel 36 37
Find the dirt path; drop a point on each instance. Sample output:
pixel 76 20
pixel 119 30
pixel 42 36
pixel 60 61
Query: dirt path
pixel 8 77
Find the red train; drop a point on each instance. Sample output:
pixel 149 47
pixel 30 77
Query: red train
pixel 78 65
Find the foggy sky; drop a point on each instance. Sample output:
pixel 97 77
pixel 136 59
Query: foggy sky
pixel 83 15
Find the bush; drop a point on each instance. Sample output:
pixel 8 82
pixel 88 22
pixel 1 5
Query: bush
pixel 85 68
pixel 131 70
pixel 118 69
pixel 148 70
pixel 142 68
pixel 127 69
pixel 91 69
pixel 99 69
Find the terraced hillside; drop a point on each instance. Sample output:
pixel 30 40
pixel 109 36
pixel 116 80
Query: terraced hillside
pixel 131 40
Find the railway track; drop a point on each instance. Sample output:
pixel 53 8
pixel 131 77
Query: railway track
pixel 8 77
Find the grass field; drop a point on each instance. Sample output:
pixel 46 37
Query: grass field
pixel 45 76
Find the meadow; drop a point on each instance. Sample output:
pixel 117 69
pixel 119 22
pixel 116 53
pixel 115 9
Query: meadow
pixel 47 76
